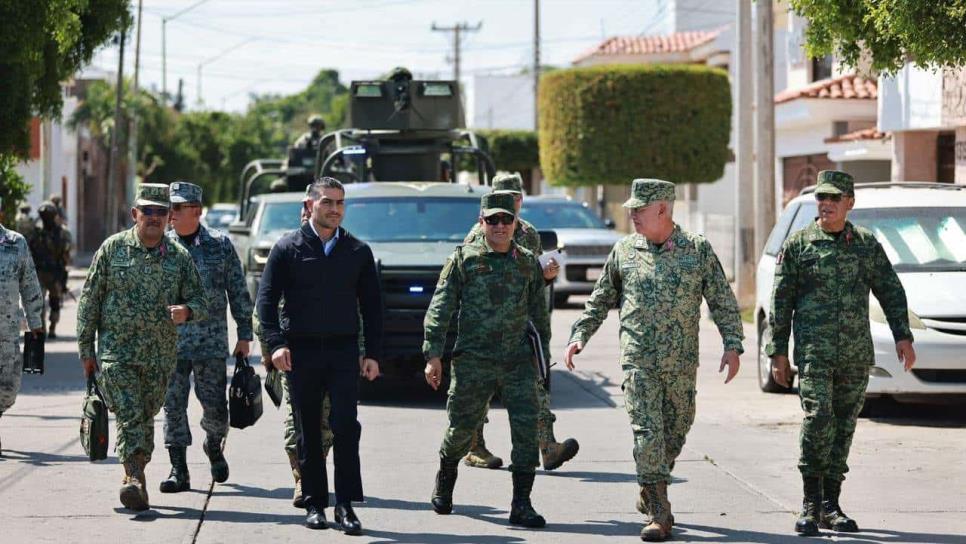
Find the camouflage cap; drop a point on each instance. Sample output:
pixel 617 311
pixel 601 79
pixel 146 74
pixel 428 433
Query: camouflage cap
pixel 647 191
pixel 508 182
pixel 182 191
pixel 316 120
pixel 835 182
pixel 47 208
pixel 497 202
pixel 152 194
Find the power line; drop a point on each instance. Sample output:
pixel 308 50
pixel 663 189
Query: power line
pixel 457 29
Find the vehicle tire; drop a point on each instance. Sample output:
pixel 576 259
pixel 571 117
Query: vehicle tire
pixel 560 300
pixel 765 380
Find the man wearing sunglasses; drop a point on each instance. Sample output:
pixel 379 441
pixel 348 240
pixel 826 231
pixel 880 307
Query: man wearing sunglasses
pixel 139 288
pixel 823 276
pixel 553 453
pixel 498 287
pixel 658 278
pixel 203 346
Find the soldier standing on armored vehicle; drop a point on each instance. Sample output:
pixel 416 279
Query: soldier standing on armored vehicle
pixel 50 247
pixel 553 453
pixel 312 138
pixel 203 346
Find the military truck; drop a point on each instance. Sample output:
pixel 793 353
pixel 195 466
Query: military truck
pixel 397 163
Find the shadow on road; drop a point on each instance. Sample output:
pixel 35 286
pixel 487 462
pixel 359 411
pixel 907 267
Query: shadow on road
pixel 62 373
pixel 915 415
pixel 704 533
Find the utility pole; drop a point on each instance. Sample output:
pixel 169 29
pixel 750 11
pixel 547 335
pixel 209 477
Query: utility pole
pixel 164 46
pixel 457 31
pixel 112 161
pixel 536 64
pixel 132 152
pixel 764 124
pixel 744 174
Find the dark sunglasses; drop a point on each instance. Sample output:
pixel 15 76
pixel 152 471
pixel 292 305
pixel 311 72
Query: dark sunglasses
pixel 178 207
pixel 500 218
pixel 154 211
pixel 825 196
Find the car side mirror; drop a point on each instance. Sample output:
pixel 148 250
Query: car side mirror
pixel 609 223
pixel 239 228
pixel 548 240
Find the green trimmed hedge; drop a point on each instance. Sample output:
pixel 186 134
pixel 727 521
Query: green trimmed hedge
pixel 512 150
pixel 611 124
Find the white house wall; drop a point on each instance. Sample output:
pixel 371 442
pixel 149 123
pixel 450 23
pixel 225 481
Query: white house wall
pixel 502 102
pixel 910 101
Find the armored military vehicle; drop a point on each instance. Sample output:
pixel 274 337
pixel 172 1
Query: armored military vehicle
pixel 397 163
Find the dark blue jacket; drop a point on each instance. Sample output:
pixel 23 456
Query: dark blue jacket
pixel 324 295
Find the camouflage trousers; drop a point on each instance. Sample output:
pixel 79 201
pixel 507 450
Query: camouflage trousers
pixel 291 433
pixel 135 393
pixel 545 419
pixel 211 379
pixel 52 293
pixel 473 384
pixel 832 399
pixel 661 408
pixel 11 368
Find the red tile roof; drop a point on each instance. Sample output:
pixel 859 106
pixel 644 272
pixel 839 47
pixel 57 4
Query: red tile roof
pixel 848 87
pixel 678 42
pixel 859 135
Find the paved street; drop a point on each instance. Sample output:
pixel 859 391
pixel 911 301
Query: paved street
pixel 735 482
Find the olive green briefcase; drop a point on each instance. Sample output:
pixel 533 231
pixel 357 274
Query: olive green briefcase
pixel 93 427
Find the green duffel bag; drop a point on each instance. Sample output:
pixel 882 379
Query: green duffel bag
pixel 93 427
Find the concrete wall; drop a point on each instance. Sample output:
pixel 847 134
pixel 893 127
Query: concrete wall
pixel 868 171
pixel 961 155
pixel 914 155
pixel 911 100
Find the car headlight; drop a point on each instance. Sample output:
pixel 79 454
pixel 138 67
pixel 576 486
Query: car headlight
pixel 878 315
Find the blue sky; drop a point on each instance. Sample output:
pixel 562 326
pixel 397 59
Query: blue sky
pixel 259 46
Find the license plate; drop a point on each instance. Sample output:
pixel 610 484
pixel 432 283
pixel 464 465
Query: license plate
pixel 593 274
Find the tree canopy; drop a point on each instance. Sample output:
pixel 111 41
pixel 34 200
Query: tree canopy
pixel 891 32
pixel 42 44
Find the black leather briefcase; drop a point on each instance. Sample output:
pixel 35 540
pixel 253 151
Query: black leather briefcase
pixel 244 395
pixel 33 353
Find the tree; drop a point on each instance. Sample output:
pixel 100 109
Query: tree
pixel 891 32
pixel 13 189
pixel 610 124
pixel 42 44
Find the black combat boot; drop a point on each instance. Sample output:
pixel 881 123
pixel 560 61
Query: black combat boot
pixel 832 515
pixel 445 482
pixel 219 466
pixel 178 479
pixel 807 523
pixel 521 511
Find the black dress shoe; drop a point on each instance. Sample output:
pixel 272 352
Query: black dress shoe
pixel 347 520
pixel 315 518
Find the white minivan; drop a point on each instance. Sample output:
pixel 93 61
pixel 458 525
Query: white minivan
pixel 922 227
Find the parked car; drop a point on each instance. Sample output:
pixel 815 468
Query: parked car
pixel 585 238
pixel 922 227
pixel 220 215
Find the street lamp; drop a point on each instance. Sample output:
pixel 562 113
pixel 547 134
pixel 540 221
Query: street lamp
pixel 209 60
pixel 164 47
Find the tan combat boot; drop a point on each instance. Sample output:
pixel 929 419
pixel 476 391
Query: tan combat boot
pixel 655 500
pixel 479 456
pixel 554 454
pixel 133 494
pixel 298 500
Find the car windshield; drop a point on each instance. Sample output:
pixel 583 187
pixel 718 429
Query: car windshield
pixel 560 215
pixel 396 219
pixel 915 239
pixel 219 218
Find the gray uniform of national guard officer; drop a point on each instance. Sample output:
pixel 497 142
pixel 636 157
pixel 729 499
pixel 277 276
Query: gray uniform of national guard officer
pixel 18 282
pixel 203 346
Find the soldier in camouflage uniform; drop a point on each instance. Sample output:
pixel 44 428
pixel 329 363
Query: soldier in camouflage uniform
pixel 658 277
pixel 18 285
pixel 50 247
pixel 203 346
pixel 553 453
pixel 312 138
pixel 140 287
pixel 497 286
pixel 23 223
pixel 823 276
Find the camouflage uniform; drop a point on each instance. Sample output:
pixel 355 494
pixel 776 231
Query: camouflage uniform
pixel 18 284
pixel 203 346
pixel 491 355
pixel 822 284
pixel 50 247
pixel 125 303
pixel 23 223
pixel 659 290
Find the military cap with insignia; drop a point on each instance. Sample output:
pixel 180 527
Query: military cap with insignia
pixel 512 183
pixel 182 191
pixel 647 191
pixel 835 182
pixel 497 202
pixel 152 194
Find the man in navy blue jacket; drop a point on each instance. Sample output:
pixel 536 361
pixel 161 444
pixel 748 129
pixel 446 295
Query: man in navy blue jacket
pixel 327 278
